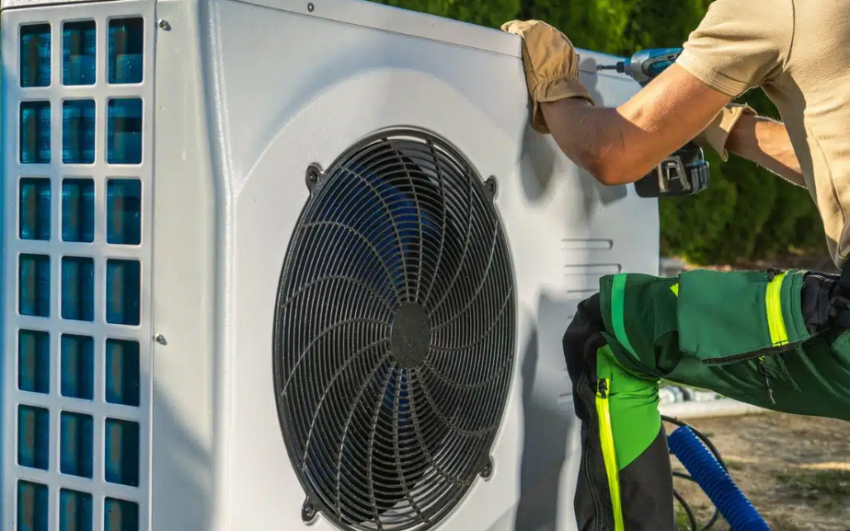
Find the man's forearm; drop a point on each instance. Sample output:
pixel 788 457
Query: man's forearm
pixel 621 145
pixel 616 145
pixel 766 142
pixel 588 135
pixel 613 146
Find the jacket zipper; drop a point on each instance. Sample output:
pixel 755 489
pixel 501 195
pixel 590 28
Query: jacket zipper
pixel 762 368
pixel 588 469
pixel 606 438
pixel 773 351
pixel 602 519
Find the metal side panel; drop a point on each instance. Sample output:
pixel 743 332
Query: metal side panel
pixel 184 403
pixel 77 256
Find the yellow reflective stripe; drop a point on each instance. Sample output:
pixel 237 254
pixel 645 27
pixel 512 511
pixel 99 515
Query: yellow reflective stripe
pixel 675 289
pixel 773 306
pixel 606 437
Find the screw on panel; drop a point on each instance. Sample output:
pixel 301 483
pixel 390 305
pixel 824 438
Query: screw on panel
pixel 159 338
pixel 310 7
pixel 308 511
pixel 163 24
pixel 487 469
pixel 314 175
pixel 491 186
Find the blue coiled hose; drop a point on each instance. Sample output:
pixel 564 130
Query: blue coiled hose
pixel 715 481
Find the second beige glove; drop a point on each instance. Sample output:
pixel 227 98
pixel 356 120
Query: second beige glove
pixel 717 132
pixel 551 66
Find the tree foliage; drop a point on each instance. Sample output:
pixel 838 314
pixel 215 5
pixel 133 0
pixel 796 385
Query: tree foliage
pixel 747 213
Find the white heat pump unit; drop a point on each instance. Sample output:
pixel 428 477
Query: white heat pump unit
pixel 282 265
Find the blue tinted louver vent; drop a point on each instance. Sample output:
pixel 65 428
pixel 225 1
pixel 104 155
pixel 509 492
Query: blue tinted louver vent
pixel 124 131
pixel 34 361
pixel 35 55
pixel 34 285
pixel 79 52
pixel 126 50
pixel 122 452
pixel 122 292
pixel 78 210
pixel 77 367
pixel 124 212
pixel 75 511
pixel 78 288
pixel 32 506
pixel 122 372
pixel 33 437
pixel 120 515
pixel 76 448
pixel 78 132
pixel 35 132
pixel 34 209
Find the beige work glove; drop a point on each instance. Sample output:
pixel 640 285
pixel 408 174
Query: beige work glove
pixel 551 66
pixel 717 132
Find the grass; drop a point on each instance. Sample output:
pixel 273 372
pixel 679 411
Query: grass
pixel 827 487
pixel 682 522
pixel 732 464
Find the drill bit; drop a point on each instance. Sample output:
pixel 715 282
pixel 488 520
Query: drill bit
pixel 619 67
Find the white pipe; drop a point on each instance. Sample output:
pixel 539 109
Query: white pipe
pixel 725 407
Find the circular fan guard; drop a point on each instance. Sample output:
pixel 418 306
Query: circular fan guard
pixel 394 334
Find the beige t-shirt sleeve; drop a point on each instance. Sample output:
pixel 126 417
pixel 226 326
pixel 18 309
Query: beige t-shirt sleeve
pixel 740 44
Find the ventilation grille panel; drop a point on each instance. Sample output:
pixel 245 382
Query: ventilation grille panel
pixel 77 129
pixel 394 334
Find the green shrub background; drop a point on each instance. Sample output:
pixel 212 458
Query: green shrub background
pixel 747 213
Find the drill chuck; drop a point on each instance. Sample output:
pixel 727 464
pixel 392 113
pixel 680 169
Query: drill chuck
pixel 620 67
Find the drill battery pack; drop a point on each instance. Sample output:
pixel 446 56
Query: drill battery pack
pixel 685 172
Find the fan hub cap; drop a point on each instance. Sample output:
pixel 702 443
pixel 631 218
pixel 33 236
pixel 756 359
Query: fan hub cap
pixel 411 335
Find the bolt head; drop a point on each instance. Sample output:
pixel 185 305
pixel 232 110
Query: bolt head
pixel 491 186
pixel 308 512
pixel 487 469
pixel 313 175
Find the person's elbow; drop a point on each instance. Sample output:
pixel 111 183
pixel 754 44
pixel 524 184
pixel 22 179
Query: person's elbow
pixel 610 171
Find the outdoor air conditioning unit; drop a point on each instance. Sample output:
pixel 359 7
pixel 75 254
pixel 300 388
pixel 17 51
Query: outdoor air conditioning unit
pixel 274 265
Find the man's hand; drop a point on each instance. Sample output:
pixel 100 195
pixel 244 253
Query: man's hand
pixel 551 67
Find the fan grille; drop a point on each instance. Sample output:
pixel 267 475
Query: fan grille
pixel 394 340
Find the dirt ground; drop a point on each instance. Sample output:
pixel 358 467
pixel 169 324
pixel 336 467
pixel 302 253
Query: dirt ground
pixel 795 470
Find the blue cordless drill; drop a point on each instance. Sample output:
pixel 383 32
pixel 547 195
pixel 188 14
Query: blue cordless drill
pixel 686 171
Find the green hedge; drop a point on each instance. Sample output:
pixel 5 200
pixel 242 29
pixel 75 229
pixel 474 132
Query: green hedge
pixel 748 213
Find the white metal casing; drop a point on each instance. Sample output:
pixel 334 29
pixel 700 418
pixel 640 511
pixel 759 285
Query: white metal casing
pixel 246 96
